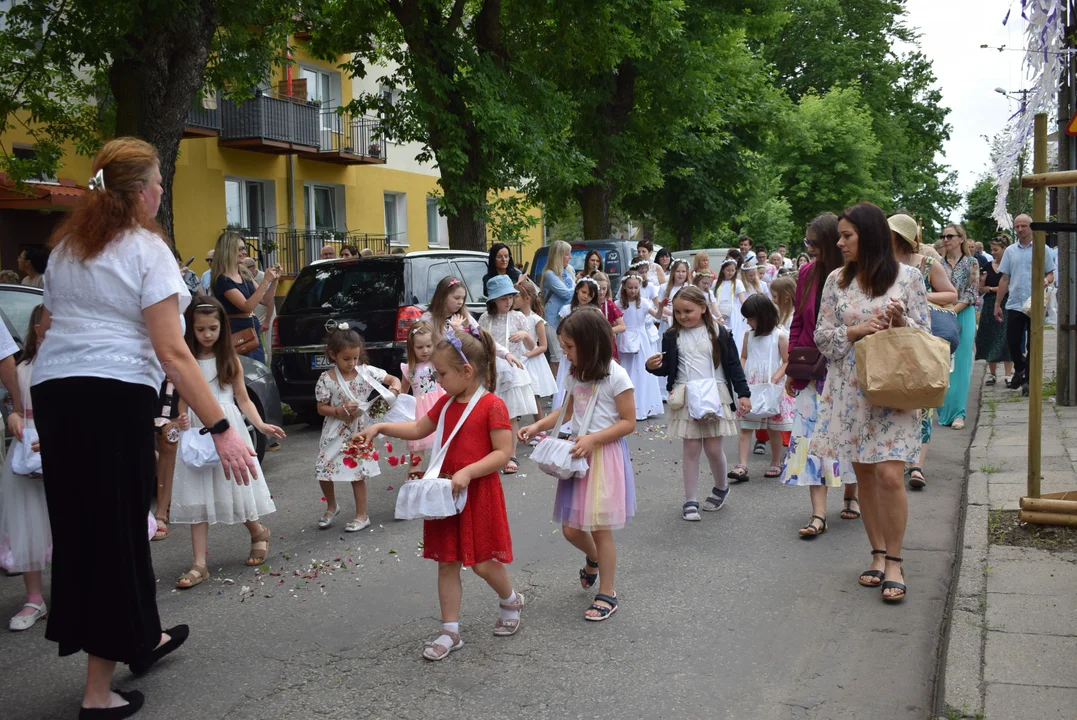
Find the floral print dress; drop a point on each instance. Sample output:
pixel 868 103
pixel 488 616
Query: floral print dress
pixel 849 427
pixel 339 460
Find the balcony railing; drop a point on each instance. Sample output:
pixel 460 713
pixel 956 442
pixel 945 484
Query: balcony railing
pixel 203 121
pixel 293 250
pixel 349 140
pixel 270 124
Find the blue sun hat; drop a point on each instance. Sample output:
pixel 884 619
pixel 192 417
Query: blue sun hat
pixel 500 286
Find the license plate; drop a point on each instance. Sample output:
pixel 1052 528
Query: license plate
pixel 320 362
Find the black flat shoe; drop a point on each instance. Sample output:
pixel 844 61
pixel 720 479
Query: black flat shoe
pixel 134 700
pixel 177 636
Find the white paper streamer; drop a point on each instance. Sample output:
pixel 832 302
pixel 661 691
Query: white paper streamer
pixel 1044 61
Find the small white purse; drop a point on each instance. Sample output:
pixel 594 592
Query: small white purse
pixel 196 450
pixel 24 461
pixel 766 397
pixel 430 497
pixel 554 455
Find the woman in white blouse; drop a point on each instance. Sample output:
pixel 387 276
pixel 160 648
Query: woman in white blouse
pixel 113 301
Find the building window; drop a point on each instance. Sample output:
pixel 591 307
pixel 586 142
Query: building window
pixel 396 218
pixel 391 97
pixel 437 228
pixel 245 203
pixel 25 152
pixel 322 205
pixel 323 87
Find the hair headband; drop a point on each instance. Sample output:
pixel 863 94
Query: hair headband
pixel 452 282
pixel 450 335
pixel 588 280
pixel 97 182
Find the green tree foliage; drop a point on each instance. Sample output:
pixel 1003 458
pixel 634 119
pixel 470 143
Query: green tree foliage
pixel 483 116
pixel 75 72
pixel 640 77
pixel 979 205
pixel 828 160
pixel 846 43
pixel 714 167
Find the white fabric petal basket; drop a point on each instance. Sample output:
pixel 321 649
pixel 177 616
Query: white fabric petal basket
pixel 554 455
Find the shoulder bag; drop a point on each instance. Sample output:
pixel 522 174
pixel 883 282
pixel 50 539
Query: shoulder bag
pixel 903 368
pixel 430 497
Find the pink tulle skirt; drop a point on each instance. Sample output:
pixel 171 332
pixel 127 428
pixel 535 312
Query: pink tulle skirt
pixel 423 404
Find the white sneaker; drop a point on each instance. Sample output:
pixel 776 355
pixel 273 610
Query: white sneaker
pixel 990 379
pixel 25 622
pixel 1009 378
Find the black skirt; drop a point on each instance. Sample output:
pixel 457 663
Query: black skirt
pixel 99 478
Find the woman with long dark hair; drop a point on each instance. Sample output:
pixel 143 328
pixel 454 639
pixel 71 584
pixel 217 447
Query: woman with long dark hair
pixel 113 300
pixel 800 467
pixel 871 292
pixel 991 334
pixel 500 263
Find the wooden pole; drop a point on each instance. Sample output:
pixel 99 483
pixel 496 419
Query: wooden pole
pixel 1035 340
pixel 1046 518
pixel 1061 178
pixel 1061 507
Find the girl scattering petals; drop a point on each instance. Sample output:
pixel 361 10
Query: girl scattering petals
pixel 344 394
pixel 478 536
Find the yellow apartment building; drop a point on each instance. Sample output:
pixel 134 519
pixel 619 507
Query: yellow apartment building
pixel 284 166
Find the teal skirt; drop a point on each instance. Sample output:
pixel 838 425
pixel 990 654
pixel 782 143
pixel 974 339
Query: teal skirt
pixel 961 375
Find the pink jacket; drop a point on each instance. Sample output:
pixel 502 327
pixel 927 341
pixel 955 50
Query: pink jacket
pixel 802 330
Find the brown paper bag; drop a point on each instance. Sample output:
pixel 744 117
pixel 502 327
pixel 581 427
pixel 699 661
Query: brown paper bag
pixel 903 368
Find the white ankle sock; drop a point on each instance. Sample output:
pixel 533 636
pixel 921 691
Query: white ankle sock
pixel 507 615
pixel 447 627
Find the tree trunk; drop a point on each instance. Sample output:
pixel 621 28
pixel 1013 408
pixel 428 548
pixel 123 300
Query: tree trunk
pixel 595 208
pixel 155 86
pixel 467 228
pixel 684 240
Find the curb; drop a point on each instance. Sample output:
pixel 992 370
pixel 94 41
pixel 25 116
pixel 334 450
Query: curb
pixel 962 673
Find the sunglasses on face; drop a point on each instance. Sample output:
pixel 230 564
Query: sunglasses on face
pixel 809 243
pixel 949 236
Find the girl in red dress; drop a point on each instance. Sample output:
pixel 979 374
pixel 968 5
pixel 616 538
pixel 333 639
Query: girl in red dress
pixel 478 537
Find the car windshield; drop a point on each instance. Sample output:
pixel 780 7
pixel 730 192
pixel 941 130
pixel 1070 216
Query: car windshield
pixel 343 286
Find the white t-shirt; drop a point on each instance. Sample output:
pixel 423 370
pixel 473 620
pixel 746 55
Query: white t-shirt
pixel 608 389
pixel 97 327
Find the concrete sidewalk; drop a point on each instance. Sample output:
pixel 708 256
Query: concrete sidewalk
pixel 1013 628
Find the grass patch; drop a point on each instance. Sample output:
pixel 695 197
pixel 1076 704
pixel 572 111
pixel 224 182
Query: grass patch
pixel 1050 387
pixel 990 469
pixel 992 406
pixel 1004 528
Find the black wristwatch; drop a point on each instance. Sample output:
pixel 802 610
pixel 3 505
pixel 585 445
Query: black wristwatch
pixel 217 428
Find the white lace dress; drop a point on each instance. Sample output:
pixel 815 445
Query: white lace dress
pixel 542 380
pixel 513 383
pixel 205 495
pixel 648 387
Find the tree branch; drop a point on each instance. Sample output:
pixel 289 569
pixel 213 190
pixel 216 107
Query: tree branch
pixel 456 16
pixel 40 53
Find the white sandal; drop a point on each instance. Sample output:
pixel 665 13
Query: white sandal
pixel 24 622
pixel 327 519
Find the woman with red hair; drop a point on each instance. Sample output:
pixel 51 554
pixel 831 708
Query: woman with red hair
pixel 113 298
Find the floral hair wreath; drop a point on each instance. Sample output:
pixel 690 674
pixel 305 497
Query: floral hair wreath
pixel 589 280
pixel 640 265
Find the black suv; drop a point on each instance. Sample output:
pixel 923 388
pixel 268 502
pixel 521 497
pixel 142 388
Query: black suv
pixel 379 296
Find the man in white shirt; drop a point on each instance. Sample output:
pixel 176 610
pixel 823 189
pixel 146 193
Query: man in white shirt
pixel 207 276
pixel 1017 282
pixel 787 262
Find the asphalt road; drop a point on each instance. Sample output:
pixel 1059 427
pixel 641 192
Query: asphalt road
pixel 733 617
